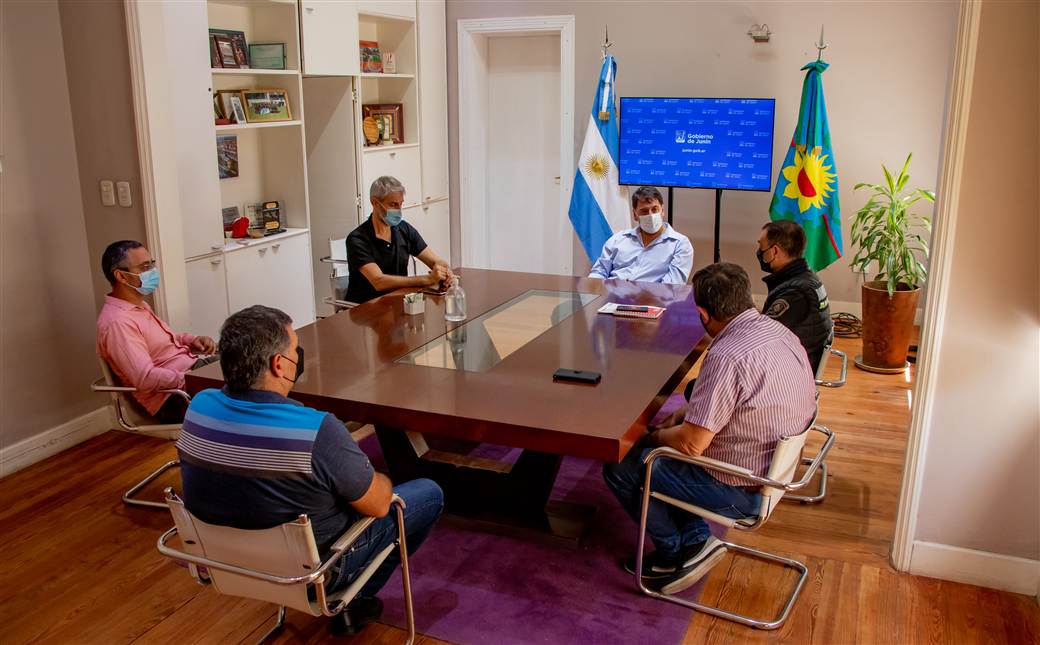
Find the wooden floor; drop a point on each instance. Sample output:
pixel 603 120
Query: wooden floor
pixel 79 567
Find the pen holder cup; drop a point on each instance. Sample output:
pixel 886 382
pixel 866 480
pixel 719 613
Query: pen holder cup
pixel 414 306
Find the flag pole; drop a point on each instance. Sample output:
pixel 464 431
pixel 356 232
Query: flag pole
pixel 820 46
pixel 606 41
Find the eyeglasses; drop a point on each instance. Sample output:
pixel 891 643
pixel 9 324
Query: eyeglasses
pixel 140 268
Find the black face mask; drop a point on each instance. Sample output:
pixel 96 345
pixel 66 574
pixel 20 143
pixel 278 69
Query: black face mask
pixel 298 363
pixel 762 263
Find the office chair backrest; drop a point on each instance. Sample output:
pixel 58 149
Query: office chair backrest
pixel 125 402
pixel 287 550
pixel 338 251
pixel 786 457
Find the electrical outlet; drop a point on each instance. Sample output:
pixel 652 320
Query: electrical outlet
pixel 108 193
pixel 123 191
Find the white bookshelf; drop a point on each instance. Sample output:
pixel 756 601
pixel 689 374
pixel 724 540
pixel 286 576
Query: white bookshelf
pixel 234 127
pixel 341 165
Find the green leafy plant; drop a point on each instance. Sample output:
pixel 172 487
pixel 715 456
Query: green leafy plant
pixel 888 233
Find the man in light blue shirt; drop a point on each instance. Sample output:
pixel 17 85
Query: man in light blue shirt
pixel 653 251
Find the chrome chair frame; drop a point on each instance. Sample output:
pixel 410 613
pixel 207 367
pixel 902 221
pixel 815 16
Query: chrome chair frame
pixel 330 605
pixel 117 392
pixel 821 491
pixel 742 525
pixel 337 305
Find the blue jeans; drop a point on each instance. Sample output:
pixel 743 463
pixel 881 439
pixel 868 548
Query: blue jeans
pixel 673 529
pixel 424 502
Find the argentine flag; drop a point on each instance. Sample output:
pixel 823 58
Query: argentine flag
pixel 599 206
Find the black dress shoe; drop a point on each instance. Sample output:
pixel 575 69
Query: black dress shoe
pixel 359 613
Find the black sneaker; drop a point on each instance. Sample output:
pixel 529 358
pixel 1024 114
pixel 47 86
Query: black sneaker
pixel 654 566
pixel 697 560
pixel 359 613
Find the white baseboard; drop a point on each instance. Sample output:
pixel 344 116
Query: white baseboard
pixel 50 442
pixel 1004 572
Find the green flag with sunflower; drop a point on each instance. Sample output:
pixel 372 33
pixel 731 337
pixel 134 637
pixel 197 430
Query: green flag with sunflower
pixel 807 187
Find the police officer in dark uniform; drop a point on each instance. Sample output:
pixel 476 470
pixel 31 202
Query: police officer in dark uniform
pixel 797 298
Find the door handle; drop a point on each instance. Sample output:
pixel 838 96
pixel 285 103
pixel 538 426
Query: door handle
pixel 262 251
pixel 215 261
pixel 216 247
pixel 276 246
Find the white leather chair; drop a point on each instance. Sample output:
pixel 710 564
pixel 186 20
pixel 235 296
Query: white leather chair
pixel 132 417
pixel 821 491
pixel 339 276
pixel 778 481
pixel 279 565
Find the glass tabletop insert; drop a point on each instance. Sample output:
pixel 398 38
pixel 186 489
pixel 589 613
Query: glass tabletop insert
pixel 481 343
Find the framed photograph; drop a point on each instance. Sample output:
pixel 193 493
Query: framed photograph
pixel 227 157
pixel 230 104
pixel 225 51
pixel 266 105
pixel 389 119
pixel 239 48
pixel 229 215
pixel 371 61
pixel 267 55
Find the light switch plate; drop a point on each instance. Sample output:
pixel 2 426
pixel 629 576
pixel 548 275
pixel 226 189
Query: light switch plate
pixel 123 192
pixel 108 193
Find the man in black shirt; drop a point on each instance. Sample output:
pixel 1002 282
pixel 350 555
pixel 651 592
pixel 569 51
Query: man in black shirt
pixel 378 250
pixel 797 298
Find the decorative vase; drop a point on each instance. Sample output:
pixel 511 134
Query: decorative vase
pixel 888 322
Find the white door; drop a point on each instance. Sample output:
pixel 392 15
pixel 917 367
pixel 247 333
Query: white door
pixel 329 32
pixel 207 295
pixel 526 229
pixel 191 110
pixel 276 274
pixel 433 101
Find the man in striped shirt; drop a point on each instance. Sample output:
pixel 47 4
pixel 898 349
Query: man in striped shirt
pixel 252 458
pixel 754 388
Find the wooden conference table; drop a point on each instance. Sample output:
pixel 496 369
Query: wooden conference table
pixel 488 379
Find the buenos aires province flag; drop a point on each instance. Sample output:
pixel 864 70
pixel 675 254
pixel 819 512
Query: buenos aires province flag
pixel 599 206
pixel 807 187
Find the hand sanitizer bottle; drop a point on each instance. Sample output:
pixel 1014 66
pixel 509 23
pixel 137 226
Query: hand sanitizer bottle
pixel 455 302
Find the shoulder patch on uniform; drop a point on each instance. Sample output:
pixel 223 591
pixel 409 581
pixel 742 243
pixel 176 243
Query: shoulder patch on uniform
pixel 778 308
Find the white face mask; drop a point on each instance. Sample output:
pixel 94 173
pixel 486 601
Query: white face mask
pixel 650 223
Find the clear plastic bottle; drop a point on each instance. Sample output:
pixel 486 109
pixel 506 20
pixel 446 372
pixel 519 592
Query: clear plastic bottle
pixel 455 302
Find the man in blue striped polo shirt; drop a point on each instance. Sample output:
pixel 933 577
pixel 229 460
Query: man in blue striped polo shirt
pixel 252 458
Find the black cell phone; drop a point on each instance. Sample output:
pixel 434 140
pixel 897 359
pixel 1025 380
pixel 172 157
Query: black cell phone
pixel 576 376
pixel 640 308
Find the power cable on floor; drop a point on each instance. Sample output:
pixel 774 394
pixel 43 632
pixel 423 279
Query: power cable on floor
pixel 846 325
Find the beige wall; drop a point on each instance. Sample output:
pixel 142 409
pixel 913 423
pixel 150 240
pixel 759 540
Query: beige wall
pixel 885 90
pixel 981 482
pixel 46 298
pixel 98 65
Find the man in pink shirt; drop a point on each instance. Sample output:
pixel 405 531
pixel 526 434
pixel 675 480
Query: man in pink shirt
pixel 141 349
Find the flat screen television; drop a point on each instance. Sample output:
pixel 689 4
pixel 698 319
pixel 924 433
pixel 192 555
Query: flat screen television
pixel 697 142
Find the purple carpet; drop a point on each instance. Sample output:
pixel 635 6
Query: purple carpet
pixel 471 587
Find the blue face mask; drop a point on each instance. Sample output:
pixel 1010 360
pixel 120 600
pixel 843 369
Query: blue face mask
pixel 394 216
pixel 149 281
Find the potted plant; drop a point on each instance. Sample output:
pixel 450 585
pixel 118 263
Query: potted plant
pixel 887 233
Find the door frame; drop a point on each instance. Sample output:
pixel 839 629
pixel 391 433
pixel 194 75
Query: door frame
pixel 473 38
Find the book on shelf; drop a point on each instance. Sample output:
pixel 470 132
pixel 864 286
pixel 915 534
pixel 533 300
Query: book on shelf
pixel 371 60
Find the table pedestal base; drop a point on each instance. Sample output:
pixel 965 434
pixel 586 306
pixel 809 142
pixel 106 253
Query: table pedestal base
pixel 494 496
